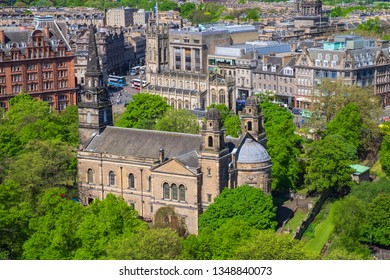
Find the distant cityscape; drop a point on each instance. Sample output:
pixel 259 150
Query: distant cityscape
pixel 288 51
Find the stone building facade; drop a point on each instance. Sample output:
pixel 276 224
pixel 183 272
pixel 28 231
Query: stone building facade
pixel 351 59
pixel 120 17
pixel 155 169
pixel 38 63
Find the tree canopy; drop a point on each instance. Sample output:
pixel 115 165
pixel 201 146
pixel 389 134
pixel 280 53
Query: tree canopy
pixel 328 163
pixel 282 145
pixel 143 111
pixel 178 121
pixel 244 203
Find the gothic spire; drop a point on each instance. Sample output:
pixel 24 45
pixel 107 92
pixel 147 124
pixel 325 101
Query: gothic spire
pixel 93 64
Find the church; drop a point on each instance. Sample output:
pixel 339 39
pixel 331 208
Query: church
pixel 155 169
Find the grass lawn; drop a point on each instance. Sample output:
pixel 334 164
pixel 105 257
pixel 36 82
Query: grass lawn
pixel 299 215
pixel 322 233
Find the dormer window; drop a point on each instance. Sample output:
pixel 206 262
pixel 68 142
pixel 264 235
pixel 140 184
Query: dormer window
pixel 265 67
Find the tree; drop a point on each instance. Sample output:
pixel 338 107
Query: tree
pixel 328 163
pixel 223 110
pixel 167 5
pixel 347 123
pixel 348 220
pixel 233 126
pixel 377 226
pixel 219 244
pixel 244 203
pixel 14 220
pixel 143 108
pixel 384 154
pixel 282 146
pixel 150 244
pixel 178 121
pixel 186 9
pixel 334 96
pixel 104 221
pixel 54 228
pixel 43 165
pixel 266 245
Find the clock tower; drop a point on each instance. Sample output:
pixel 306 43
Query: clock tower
pixel 94 108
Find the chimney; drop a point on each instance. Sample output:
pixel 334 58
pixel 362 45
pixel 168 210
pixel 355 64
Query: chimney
pixel 294 47
pixel 162 157
pixel 264 60
pixel 46 31
pixel 2 37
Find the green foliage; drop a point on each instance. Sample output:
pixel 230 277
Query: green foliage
pixel 373 25
pixel 143 111
pixel 252 14
pixel 54 228
pixel 43 165
pixel 348 216
pixel 236 240
pixel 368 191
pixel 223 110
pixel 218 244
pixel 244 203
pixel 186 9
pixel 344 254
pixel 154 244
pixel 14 219
pixel 282 146
pixel 167 5
pixel 178 121
pixel 344 11
pixel 266 245
pixel 105 220
pixel 384 154
pixel 233 126
pixel 204 13
pixel 377 226
pixel 329 161
pixel 347 123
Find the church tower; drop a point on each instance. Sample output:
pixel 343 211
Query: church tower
pixel 94 108
pixel 214 158
pixel 251 119
pixel 157 48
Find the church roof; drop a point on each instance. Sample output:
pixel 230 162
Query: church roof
pixel 252 152
pixel 145 143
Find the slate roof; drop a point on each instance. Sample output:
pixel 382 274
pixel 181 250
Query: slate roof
pixel 189 159
pixel 145 143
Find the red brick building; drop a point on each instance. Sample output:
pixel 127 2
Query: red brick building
pixel 38 63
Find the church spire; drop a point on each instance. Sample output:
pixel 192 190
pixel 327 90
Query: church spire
pixel 93 65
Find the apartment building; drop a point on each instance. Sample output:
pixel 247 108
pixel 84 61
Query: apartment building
pixel 39 63
pixel 352 59
pixel 121 17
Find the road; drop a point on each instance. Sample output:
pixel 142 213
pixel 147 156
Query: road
pixel 121 96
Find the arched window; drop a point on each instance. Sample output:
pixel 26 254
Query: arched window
pixel 210 141
pixel 182 193
pixel 249 126
pixel 89 118
pixel 131 184
pixel 90 176
pixel 174 192
pixel 111 178
pixel 166 190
